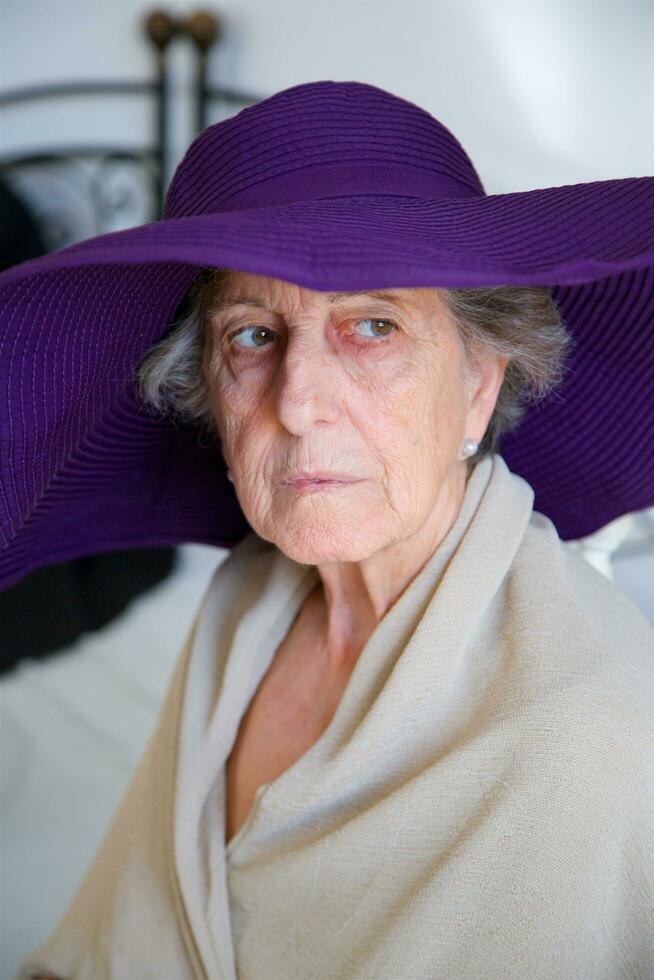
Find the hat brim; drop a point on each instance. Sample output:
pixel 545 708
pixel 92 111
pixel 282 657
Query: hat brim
pixel 86 467
pixel 550 236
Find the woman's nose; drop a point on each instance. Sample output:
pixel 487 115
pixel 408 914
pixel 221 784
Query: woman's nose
pixel 306 385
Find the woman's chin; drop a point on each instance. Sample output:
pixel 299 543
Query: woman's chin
pixel 315 543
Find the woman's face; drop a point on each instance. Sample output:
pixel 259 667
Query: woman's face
pixel 313 381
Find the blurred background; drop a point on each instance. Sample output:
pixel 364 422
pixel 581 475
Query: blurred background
pixel 98 101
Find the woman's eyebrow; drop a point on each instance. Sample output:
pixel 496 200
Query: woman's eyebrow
pixel 374 293
pixel 223 304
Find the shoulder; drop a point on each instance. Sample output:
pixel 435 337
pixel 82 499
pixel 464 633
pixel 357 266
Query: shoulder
pixel 556 578
pixel 579 627
pixel 581 658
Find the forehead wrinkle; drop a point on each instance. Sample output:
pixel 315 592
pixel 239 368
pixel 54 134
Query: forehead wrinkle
pixel 219 304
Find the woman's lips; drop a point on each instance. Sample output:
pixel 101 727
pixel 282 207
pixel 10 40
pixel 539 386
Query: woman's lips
pixel 311 486
pixel 334 475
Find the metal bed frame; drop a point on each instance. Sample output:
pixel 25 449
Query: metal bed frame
pixel 27 172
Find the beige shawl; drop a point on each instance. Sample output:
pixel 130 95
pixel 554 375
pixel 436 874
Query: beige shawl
pixel 480 806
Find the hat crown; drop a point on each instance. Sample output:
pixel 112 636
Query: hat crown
pixel 316 140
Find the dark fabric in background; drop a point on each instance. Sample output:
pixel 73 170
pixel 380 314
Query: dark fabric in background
pixel 51 607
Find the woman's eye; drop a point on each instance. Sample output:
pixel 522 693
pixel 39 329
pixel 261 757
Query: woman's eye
pixel 257 333
pixel 380 327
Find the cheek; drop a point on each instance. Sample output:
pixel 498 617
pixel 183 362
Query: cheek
pixel 400 403
pixel 237 405
pixel 411 414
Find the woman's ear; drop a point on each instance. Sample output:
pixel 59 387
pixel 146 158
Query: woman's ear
pixel 485 381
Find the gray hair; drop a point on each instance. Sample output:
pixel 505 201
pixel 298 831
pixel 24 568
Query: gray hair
pixel 522 323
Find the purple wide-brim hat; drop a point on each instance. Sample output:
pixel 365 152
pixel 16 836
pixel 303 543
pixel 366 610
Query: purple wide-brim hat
pixel 332 186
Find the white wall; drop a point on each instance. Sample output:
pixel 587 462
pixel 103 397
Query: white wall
pixel 538 93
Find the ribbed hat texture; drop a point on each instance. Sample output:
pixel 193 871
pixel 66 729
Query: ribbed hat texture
pixel 333 186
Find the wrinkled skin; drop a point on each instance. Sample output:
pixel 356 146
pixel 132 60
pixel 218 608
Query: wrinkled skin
pixel 364 386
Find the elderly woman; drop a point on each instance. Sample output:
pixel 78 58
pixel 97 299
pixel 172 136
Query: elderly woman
pixel 408 733
pixel 346 421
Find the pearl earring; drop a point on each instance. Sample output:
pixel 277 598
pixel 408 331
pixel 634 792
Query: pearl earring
pixel 469 448
pixel 229 476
